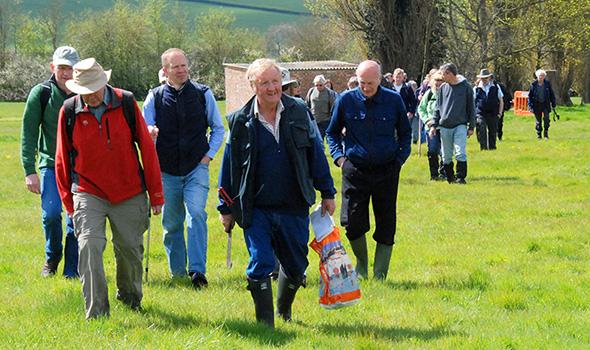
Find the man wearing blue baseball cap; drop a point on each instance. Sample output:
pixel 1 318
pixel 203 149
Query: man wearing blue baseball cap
pixel 38 138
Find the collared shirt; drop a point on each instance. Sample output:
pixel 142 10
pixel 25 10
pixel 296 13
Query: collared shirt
pixel 486 88
pixel 99 110
pixel 397 88
pixel 273 129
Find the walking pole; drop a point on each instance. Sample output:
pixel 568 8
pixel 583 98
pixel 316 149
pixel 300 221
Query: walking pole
pixel 229 201
pixel 147 251
pixel 419 137
pixel 228 261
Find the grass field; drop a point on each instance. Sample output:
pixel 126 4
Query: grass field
pixel 245 17
pixel 501 263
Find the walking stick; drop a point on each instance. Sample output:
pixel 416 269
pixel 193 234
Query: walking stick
pixel 229 201
pixel 147 253
pixel 228 261
pixel 419 137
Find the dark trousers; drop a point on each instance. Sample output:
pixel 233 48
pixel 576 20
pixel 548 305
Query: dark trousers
pixel 322 126
pixel 501 126
pixel 274 233
pixel 487 127
pixel 542 118
pixel 359 186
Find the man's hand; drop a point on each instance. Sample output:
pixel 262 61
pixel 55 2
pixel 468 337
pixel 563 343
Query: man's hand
pixel 340 161
pixel 153 130
pixel 469 132
pixel 328 205
pixel 410 115
pixel 432 132
pixel 205 160
pixel 228 222
pixel 156 209
pixel 32 182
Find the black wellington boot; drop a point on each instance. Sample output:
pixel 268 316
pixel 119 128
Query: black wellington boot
pixel 286 294
pixel 461 172
pixel 433 165
pixel 261 291
pixel 450 172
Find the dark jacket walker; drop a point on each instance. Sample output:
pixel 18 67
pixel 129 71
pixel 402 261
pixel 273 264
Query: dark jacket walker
pixel 487 109
pixel 541 108
pixel 238 182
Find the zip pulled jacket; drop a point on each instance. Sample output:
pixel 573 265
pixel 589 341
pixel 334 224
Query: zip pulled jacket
pixel 105 160
pixel 304 148
pixel 549 96
pixel 377 129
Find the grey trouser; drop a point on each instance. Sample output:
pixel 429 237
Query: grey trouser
pixel 128 221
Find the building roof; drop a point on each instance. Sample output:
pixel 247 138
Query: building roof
pixel 302 66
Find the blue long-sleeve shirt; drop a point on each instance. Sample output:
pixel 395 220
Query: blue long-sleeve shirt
pixel 377 128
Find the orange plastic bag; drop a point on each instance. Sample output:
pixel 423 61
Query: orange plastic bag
pixel 339 286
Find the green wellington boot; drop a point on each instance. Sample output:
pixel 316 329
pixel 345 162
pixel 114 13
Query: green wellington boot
pixel 359 248
pixel 382 259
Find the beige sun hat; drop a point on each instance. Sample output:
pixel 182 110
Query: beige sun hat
pixel 88 77
pixel 286 77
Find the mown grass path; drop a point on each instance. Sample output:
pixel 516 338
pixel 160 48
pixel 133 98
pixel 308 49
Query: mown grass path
pixel 502 263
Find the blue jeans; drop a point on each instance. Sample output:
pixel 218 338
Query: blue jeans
pixel 454 141
pixel 434 144
pixel 273 233
pixel 185 197
pixel 51 210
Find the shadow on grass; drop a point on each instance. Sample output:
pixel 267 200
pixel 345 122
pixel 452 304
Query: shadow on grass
pixel 500 179
pixel 475 280
pixel 259 332
pixel 170 320
pixel 388 333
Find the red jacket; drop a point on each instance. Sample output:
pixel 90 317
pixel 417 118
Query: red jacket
pixel 106 165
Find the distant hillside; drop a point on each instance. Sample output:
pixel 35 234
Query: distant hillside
pixel 255 14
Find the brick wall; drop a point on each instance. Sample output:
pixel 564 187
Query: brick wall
pixel 238 91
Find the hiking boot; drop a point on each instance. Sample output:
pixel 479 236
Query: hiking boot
pixel 49 269
pixel 198 280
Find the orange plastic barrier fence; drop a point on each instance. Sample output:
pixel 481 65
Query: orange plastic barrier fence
pixel 521 103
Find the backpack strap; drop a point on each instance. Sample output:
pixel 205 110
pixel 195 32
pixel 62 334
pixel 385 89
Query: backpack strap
pixel 70 115
pixel 128 104
pixel 45 95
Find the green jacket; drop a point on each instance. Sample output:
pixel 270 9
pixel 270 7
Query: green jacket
pixel 39 132
pixel 426 107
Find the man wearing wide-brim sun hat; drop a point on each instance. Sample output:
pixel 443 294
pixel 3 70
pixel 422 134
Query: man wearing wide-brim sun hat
pixel 489 104
pixel 99 176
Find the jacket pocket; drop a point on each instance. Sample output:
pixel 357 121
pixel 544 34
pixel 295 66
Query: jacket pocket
pixel 301 135
pixel 385 125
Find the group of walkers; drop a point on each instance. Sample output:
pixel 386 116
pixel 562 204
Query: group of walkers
pixel 104 158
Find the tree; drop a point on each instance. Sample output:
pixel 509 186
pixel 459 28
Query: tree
pixel 217 42
pixel 119 40
pixel 395 31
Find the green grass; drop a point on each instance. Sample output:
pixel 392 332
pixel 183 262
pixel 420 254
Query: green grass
pixel 249 18
pixel 502 263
